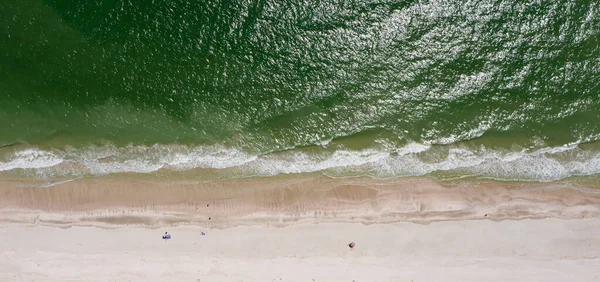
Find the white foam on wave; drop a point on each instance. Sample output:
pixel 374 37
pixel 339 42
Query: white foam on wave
pixel 555 150
pixel 300 162
pixel 142 159
pixel 30 159
pixel 203 157
pixel 137 166
pixel 413 159
pixel 413 165
pixel 413 148
pixel 102 160
pixel 453 138
pixel 543 165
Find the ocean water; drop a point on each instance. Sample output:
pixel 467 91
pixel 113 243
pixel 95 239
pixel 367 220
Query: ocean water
pixel 506 90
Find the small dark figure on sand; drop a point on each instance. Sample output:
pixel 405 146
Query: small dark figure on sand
pixel 351 245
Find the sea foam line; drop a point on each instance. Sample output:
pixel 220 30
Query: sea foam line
pixel 413 159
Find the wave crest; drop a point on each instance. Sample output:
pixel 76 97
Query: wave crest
pixel 413 159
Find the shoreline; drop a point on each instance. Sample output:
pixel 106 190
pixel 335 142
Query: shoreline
pixel 284 201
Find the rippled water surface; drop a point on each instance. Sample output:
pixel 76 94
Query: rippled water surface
pixel 495 89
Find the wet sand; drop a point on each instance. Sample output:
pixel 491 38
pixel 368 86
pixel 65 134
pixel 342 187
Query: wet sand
pixel 297 229
pixel 284 201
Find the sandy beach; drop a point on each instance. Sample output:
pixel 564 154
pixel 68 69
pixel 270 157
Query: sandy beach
pixel 298 229
pixel 527 250
pixel 354 141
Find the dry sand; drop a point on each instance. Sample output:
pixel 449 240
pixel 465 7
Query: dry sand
pixel 297 229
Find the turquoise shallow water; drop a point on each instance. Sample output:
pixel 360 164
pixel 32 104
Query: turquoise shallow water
pixel 490 89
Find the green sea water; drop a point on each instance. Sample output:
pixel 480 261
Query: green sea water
pixel 507 90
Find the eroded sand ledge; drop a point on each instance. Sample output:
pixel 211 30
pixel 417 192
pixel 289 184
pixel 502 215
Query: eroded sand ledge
pixel 284 201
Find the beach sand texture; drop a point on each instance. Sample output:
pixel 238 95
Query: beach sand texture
pixel 298 229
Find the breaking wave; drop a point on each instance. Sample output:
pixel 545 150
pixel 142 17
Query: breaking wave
pixel 413 159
